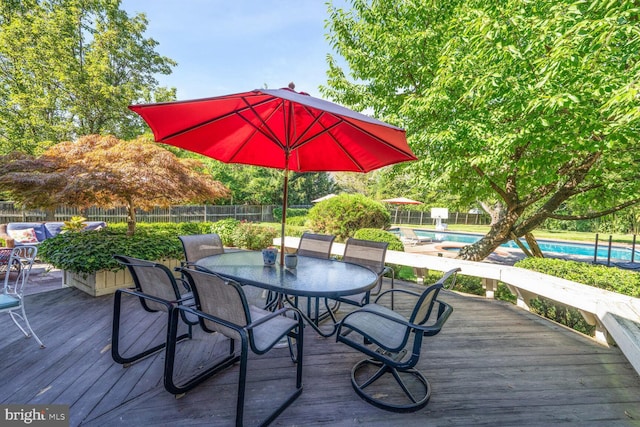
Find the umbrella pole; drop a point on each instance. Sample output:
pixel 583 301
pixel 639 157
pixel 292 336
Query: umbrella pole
pixel 284 214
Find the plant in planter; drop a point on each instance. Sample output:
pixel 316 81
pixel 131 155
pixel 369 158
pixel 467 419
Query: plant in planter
pixel 87 257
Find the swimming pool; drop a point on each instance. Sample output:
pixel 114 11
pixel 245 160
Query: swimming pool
pixel 618 253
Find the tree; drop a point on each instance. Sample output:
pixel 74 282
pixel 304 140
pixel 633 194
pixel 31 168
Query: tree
pixel 71 67
pixel 105 171
pixel 525 107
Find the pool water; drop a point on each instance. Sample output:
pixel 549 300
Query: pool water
pixel 564 248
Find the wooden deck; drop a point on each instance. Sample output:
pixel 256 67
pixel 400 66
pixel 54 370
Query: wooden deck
pixel 493 364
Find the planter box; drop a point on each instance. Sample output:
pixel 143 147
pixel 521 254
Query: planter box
pixel 105 282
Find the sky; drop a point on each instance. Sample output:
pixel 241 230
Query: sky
pixel 230 46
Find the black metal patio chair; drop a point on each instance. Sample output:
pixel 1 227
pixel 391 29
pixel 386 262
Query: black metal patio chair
pixel 222 307
pixel 316 246
pixel 198 246
pixel 158 291
pixel 388 378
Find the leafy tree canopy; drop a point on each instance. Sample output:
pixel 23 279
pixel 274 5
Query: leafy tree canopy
pixel 107 172
pixel 70 68
pixel 527 107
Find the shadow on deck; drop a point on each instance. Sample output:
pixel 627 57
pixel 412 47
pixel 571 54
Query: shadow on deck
pixel 493 364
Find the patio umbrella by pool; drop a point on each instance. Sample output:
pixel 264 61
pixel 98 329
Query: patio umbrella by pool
pixel 400 201
pixel 278 128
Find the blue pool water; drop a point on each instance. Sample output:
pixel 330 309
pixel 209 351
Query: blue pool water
pixel 618 253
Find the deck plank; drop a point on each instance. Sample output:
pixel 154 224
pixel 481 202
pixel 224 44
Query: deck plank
pixel 493 364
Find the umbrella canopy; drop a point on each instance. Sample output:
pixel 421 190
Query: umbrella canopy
pixel 402 201
pixel 278 128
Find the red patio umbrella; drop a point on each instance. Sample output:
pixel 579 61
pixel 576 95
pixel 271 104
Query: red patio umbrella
pixel 400 201
pixel 278 128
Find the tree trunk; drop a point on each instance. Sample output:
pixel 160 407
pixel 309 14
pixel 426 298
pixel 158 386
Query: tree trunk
pixel 131 219
pixel 533 245
pixel 50 214
pixel 501 230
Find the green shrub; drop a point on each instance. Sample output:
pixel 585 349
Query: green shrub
pixel 377 235
pixel 624 282
pixel 225 228
pixel 291 213
pixel 612 279
pixel 90 251
pixel 252 236
pixel 343 215
pixel 298 221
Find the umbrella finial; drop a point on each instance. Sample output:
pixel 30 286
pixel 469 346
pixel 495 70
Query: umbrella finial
pixel 292 86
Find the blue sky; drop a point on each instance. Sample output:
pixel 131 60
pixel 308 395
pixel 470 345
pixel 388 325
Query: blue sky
pixel 228 46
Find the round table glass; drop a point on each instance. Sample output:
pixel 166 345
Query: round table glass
pixel 313 277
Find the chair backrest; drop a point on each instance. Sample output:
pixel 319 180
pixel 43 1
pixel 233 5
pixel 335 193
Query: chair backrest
pixel 366 252
pixel 315 245
pixel 198 246
pixel 22 258
pixel 151 279
pixel 221 298
pixel 424 305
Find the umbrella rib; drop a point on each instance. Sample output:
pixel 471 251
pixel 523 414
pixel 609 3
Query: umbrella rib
pixel 215 119
pixel 269 135
pixel 341 121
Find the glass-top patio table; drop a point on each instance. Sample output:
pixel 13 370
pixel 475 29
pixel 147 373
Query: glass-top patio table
pixel 313 277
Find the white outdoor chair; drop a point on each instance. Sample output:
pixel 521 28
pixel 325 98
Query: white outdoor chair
pixel 12 296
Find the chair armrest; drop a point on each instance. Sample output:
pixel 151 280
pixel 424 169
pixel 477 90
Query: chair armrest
pixel 444 311
pixel 276 313
pixel 132 291
pixel 393 291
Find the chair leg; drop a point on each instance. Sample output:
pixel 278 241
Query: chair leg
pixel 170 358
pixel 28 331
pixel 415 400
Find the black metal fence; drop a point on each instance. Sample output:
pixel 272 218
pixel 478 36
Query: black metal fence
pixel 211 213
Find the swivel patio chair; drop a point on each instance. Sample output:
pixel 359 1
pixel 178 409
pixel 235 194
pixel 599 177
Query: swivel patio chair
pixel 222 307
pixel 393 344
pixel 16 277
pixel 158 291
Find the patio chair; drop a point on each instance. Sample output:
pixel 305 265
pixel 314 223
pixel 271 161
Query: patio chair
pixel 12 297
pixel 315 245
pixel 369 254
pixel 409 236
pixel 158 291
pixel 198 246
pixel 222 307
pixel 393 344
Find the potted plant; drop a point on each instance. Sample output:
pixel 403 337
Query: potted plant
pixel 86 258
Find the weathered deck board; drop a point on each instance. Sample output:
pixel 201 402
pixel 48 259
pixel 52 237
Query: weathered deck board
pixel 493 364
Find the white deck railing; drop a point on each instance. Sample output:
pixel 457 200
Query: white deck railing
pixel 616 317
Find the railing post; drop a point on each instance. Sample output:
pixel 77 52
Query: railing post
pixel 490 286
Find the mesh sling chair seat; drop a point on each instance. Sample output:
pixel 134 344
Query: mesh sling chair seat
pixel 16 276
pixel 388 378
pixel 158 291
pixel 198 246
pixel 222 307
